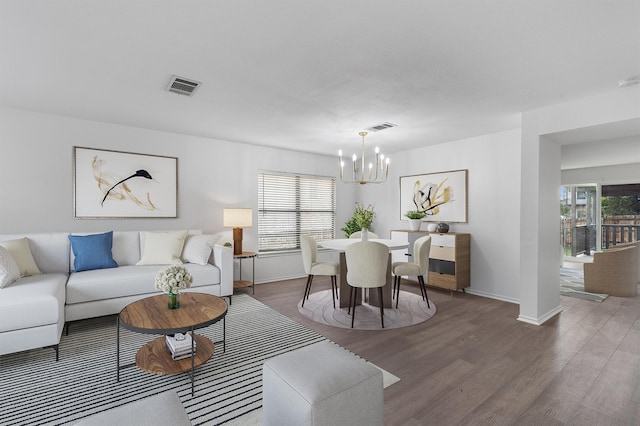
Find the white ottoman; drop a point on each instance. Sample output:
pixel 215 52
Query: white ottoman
pixel 321 384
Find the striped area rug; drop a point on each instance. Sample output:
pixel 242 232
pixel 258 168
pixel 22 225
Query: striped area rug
pixel 37 390
pixel 572 285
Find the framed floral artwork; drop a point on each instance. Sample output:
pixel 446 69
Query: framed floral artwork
pixel 442 196
pixel 115 184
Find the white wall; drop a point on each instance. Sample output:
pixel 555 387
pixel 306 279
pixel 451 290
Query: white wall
pixel 539 251
pixel 512 188
pixel 605 175
pixel 36 166
pixel 610 152
pixel 493 162
pixel 37 195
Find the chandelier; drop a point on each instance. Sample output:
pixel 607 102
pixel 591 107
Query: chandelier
pixel 374 174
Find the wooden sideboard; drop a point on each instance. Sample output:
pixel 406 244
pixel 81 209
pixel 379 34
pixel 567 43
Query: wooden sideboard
pixel 449 257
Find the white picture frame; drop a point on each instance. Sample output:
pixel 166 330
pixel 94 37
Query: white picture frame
pixel 442 196
pixel 117 184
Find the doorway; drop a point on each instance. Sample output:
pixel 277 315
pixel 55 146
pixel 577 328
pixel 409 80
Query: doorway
pixel 579 215
pixel 595 217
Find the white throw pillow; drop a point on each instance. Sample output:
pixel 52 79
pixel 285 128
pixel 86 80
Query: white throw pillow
pixel 162 248
pixel 197 248
pixel 21 253
pixel 9 271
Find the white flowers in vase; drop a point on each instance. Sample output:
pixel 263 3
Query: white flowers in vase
pixel 173 278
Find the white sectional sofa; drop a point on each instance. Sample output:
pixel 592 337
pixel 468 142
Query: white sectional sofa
pixel 35 308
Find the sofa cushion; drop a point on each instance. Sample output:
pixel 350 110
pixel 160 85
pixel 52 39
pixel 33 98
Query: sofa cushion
pixel 162 248
pixel 50 250
pixel 9 271
pixel 92 251
pixel 197 248
pixel 32 302
pixel 21 253
pixel 89 286
pixel 203 274
pixel 126 247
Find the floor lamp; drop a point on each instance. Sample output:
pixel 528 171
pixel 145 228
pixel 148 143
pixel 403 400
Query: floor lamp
pixel 237 219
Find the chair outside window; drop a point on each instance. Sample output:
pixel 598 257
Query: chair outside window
pixel 367 263
pixel 313 267
pixel 419 267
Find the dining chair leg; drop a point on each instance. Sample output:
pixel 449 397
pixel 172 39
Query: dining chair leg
pixel 307 289
pixel 397 287
pixel 424 289
pixel 333 291
pixel 381 306
pixel 393 290
pixel 353 315
pixel 350 297
pixel 423 292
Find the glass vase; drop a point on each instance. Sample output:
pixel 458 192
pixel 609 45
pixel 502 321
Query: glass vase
pixel 364 234
pixel 174 300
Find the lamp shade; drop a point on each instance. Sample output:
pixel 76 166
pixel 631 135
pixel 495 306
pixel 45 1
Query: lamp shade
pixel 238 218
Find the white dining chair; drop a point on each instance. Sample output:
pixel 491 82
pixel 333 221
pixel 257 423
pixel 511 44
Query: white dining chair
pixel 419 267
pixel 367 263
pixel 312 267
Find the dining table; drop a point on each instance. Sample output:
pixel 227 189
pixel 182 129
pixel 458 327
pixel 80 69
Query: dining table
pixel 340 245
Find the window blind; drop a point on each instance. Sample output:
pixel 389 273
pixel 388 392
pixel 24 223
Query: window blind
pixel 290 205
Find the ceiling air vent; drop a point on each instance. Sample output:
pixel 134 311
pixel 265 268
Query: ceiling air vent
pixel 182 86
pixel 381 126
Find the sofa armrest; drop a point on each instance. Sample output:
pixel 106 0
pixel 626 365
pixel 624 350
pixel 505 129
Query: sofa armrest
pixel 223 259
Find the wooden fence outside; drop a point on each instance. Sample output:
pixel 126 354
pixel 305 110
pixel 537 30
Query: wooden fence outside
pixel 616 229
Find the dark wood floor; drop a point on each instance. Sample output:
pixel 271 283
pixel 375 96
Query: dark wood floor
pixel 474 363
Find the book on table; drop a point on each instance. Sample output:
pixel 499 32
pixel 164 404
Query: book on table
pixel 180 354
pixel 179 345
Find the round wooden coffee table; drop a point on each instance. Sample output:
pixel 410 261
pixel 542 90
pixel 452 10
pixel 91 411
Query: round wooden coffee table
pixel 152 316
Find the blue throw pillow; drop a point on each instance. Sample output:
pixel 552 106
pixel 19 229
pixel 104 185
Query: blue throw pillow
pixel 92 251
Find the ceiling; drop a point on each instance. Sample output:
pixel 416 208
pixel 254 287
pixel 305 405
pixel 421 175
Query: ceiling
pixel 617 130
pixel 309 75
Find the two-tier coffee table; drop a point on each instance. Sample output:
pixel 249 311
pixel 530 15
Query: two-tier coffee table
pixel 152 316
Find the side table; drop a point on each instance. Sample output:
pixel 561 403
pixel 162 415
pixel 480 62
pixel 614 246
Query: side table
pixel 240 283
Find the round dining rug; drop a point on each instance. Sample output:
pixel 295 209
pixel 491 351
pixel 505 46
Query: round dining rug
pixel 411 310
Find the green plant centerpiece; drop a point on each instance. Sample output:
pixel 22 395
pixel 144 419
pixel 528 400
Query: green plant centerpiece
pixel 415 214
pixel 362 219
pixel 415 219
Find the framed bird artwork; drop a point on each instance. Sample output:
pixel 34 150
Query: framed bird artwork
pixel 115 184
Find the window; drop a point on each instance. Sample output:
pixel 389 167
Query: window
pixel 291 205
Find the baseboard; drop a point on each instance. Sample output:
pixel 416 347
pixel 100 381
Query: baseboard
pixel 544 318
pixel 283 278
pixel 492 296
